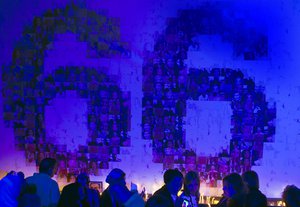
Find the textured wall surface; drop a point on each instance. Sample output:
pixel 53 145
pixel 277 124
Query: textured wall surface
pixel 148 85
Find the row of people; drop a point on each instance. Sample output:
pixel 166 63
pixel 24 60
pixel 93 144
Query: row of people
pixel 40 190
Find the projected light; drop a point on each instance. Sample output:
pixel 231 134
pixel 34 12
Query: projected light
pixel 76 114
pixel 169 88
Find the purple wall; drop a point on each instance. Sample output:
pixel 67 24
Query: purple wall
pixel 211 87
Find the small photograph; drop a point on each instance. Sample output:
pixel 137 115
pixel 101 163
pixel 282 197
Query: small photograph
pixel 95 156
pixel 104 157
pixel 202 160
pixel 179 158
pixel 81 156
pixel 224 167
pixel 93 84
pixel 115 140
pixel 83 93
pixel 246 154
pixel 61 176
pixel 82 149
pixel 237 167
pixel 30 147
pixel 256 156
pixel 50 154
pixel 223 153
pixel 82 163
pixel 168 162
pixel 103 116
pixel 114 107
pixel 213 173
pixel 61 164
pixel 104 165
pixel 61 148
pixel 190 160
pixel 30 158
pixel 47 147
pixel 72 174
pixel 29 92
pixel 50 90
pixel 234 143
pixel 115 150
pixel 93 168
pixel 190 167
pixel 158 111
pixel 259 134
pixel 158 146
pixel 202 167
pixel 272 111
pixel 72 164
pixel 248 119
pixel 8 116
pixel 269 138
pixel 19 132
pixel 113 125
pixel 169 151
pixel 96 185
pixel 247 132
pixel 203 177
pixel 40 157
pixel 246 164
pixel 93 149
pixel 213 160
pixel 60 75
pixel 126 142
pixel 30 138
pixel 147 103
pixel 158 133
pixel 40 134
pixel 71 177
pixel 30 108
pixel 147 131
pixel 114 158
pixel 38 93
pixel 148 84
pixel 104 150
pixel 93 134
pixel 157 157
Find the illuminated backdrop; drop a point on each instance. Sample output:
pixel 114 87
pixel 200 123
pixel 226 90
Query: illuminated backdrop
pixel 149 86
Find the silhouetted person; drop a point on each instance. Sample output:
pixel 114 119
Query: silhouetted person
pixel 190 193
pixel 115 177
pixel 79 194
pixel 173 180
pixel 117 194
pixel 234 190
pixel 222 202
pixel 10 189
pixel 29 198
pixel 46 188
pixel 254 197
pixel 158 201
pixel 126 198
pixel 291 196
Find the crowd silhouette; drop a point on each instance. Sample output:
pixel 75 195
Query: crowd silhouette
pixel 40 190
